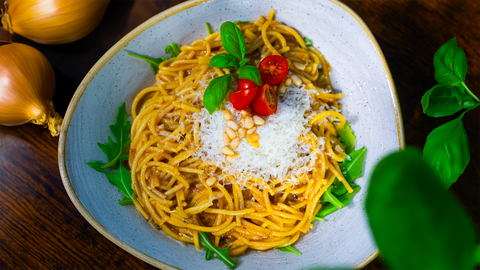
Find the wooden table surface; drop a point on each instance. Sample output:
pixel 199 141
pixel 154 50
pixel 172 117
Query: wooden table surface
pixel 41 229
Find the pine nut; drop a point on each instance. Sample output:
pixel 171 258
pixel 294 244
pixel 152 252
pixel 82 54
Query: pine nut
pixel 242 132
pixel 212 180
pixel 235 143
pixel 258 120
pixel 281 88
pixel 249 122
pixel 299 66
pixel 232 134
pixel 227 151
pixel 232 125
pixel 296 80
pixel 339 149
pixel 275 88
pixel 231 158
pixel 227 115
pixel 252 130
pixel 242 121
pixel 255 144
pixel 288 82
pixel 226 138
pixel 254 137
pixel 245 113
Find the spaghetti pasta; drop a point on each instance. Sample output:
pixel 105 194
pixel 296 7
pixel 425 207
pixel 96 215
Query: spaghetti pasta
pixel 172 182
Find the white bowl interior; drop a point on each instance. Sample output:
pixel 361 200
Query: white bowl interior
pixel 358 70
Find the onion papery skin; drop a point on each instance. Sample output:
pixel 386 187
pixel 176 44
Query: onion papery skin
pixel 53 21
pixel 27 85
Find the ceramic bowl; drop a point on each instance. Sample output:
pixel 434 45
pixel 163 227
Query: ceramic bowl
pixel 359 70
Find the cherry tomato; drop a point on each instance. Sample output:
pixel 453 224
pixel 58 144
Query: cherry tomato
pixel 246 91
pixel 273 69
pixel 265 102
pixel 245 84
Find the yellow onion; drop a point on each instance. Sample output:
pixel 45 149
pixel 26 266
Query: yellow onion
pixel 53 21
pixel 27 84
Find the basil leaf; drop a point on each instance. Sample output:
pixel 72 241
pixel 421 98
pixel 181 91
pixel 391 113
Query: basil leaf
pixel 447 150
pixel 328 208
pixel 347 138
pixel 153 62
pixel 173 49
pixel 442 100
pixel 244 61
pixel 290 249
pixel 233 40
pixel 216 92
pixel 250 73
pixel 308 42
pixel 224 60
pixel 416 223
pixel 450 64
pixel 351 168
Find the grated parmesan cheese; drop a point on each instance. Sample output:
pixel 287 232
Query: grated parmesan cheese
pixel 280 154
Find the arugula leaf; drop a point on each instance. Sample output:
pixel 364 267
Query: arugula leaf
pixel 123 181
pixel 216 92
pixel 290 249
pixel 173 49
pixel 208 254
pixel 450 64
pixel 233 40
pixel 240 22
pixel 115 150
pixel 221 254
pixel 153 62
pixel 447 150
pixel 347 138
pixel 224 60
pixel 116 155
pixel 328 197
pixel 244 61
pixel 443 100
pixel 351 168
pixel 308 42
pixel 250 73
pixel 341 202
pixel 209 28
pixel 410 212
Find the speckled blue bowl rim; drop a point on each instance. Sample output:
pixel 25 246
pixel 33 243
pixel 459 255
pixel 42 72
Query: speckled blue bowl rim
pixel 116 48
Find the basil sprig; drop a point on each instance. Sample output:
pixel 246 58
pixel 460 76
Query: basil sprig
pixel 446 148
pixel 234 43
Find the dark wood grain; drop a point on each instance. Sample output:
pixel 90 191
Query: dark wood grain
pixel 41 229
